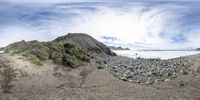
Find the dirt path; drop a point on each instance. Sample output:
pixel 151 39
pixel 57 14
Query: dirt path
pixel 50 82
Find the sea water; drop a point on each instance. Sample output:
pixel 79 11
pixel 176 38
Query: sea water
pixel 1 51
pixel 154 54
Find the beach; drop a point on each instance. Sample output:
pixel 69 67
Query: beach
pixel 88 82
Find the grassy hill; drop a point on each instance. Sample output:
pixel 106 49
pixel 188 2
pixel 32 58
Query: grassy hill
pixel 71 50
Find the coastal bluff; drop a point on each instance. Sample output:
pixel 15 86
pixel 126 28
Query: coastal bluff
pixel 73 49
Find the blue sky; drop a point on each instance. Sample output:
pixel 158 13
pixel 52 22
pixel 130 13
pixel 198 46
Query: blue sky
pixel 137 25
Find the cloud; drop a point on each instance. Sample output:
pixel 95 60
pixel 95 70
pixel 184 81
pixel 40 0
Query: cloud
pixel 10 34
pixel 45 1
pixel 137 25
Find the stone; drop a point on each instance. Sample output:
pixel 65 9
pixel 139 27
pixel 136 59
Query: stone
pixel 183 72
pixel 130 80
pixel 167 80
pixel 153 70
pixel 115 70
pixel 148 82
pixel 157 81
pixel 138 81
pixel 123 78
pixel 167 74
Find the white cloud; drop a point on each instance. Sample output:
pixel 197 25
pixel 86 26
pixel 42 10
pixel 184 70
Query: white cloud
pixel 129 26
pixel 137 25
pixel 49 1
pixel 17 33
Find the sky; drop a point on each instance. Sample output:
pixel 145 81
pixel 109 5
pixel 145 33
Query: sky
pixel 138 24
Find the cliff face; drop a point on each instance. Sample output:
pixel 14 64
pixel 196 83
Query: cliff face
pixel 71 50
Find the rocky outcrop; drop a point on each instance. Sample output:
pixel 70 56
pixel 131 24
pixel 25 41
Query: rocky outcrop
pixel 118 48
pixel 72 50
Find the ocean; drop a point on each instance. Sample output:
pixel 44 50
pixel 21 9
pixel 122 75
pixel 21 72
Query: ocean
pixel 1 51
pixel 154 54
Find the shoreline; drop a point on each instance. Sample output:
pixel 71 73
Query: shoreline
pixel 164 55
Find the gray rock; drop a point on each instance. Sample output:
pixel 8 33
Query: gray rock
pixel 145 71
pixel 167 80
pixel 157 81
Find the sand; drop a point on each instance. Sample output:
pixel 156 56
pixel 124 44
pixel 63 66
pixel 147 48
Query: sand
pixel 53 82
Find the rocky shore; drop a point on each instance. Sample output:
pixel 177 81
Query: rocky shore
pixel 145 71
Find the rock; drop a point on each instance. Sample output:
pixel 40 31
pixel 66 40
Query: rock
pixel 145 71
pixel 167 80
pixel 99 62
pixel 138 81
pixel 115 70
pixel 149 82
pixel 123 78
pixel 157 81
pixel 168 74
pixel 130 80
pixel 183 72
pixel 104 62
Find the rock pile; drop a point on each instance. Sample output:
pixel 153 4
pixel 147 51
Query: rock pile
pixel 146 71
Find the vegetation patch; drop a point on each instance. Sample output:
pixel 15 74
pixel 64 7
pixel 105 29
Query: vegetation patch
pixel 7 75
pixel 72 50
pixel 37 62
pixel 101 66
pixel 61 53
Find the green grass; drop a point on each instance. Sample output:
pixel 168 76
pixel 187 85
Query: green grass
pixel 64 54
pixel 37 62
pixel 102 66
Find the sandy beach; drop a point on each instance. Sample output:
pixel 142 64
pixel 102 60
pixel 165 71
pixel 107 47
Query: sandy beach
pixel 52 82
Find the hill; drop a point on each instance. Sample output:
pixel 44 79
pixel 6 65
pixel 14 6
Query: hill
pixel 118 48
pixel 72 50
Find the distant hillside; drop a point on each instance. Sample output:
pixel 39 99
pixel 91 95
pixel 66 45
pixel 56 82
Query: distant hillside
pixel 1 48
pixel 118 48
pixel 85 42
pixel 198 49
pixel 72 50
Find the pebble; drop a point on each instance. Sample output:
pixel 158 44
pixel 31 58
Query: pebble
pixel 167 80
pixel 151 70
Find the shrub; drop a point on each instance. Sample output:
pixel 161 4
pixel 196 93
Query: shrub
pixel 37 62
pixel 101 66
pixel 69 54
pixel 71 62
pixel 97 50
pixel 84 58
pixel 7 75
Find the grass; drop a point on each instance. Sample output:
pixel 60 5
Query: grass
pixel 37 62
pixel 102 66
pixel 64 54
